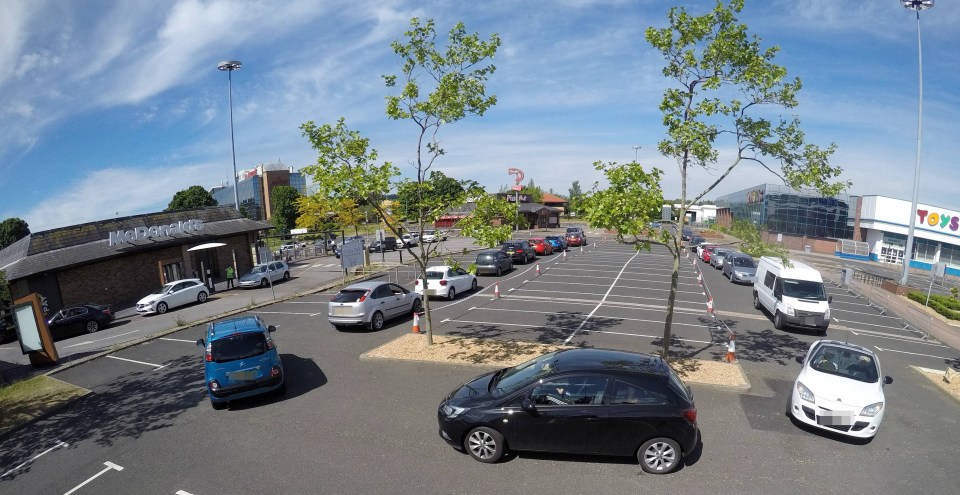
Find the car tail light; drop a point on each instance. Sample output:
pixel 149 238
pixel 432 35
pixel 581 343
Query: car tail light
pixel 275 371
pixel 106 311
pixel 214 385
pixel 207 355
pixel 690 415
pixel 443 282
pixel 333 298
pixel 416 282
pixel 364 296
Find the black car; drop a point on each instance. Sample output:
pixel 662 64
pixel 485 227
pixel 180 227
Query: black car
pixel 695 241
pixel 81 318
pixel 387 244
pixel 521 251
pixel 578 401
pixel 493 261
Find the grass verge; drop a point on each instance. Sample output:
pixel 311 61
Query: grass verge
pixel 27 400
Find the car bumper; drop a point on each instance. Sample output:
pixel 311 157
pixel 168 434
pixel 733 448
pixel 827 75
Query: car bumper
pixel 347 320
pixel 146 310
pixel 487 269
pixel 258 387
pixel 816 321
pixel 746 279
pixel 810 414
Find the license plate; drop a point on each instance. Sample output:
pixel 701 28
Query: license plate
pixel 835 418
pixel 809 321
pixel 429 292
pixel 242 376
pixel 342 310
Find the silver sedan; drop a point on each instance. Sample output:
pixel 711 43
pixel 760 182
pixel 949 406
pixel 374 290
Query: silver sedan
pixel 371 304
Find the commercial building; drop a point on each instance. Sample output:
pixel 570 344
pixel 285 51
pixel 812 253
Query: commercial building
pixel 884 223
pixel 254 187
pixel 118 261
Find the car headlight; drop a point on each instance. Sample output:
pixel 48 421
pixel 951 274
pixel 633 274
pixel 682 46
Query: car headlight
pixel 872 410
pixel 826 314
pixel 453 411
pixel 805 393
pixel 789 310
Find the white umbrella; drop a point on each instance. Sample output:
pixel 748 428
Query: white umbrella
pixel 207 246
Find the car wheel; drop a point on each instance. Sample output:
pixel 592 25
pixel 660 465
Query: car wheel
pixel 778 321
pixel 756 301
pixel 417 306
pixel 162 308
pixel 524 258
pixel 499 271
pixel 484 444
pixel 92 326
pixel 452 294
pixel 659 456
pixel 473 285
pixel 202 297
pixel 376 321
pixel 264 282
pixel 219 406
pixel 286 275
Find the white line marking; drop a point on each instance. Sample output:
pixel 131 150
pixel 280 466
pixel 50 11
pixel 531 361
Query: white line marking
pixel 105 338
pixel 181 492
pixel 157 366
pixel 911 353
pixel 281 313
pixel 912 340
pixel 109 465
pixel 444 320
pixel 929 370
pixel 604 298
pixel 28 461
pixel 500 324
pixel 306 302
pixel 651 336
pixel 178 340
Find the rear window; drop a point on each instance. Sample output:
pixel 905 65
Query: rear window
pixel 745 262
pixel 572 229
pixel 238 346
pixel 349 295
pixel 485 257
pixel 434 275
pixel 511 245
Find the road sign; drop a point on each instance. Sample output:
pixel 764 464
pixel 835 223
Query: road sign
pixel 351 253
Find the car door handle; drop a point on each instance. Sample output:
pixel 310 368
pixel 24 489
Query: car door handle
pixel 591 418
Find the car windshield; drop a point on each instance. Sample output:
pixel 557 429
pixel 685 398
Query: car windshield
pixel 434 275
pixel 258 269
pixel 744 262
pixel 238 346
pixel 349 295
pixel 512 379
pixel 804 289
pixel 162 290
pixel 845 362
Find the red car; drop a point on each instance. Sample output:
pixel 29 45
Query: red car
pixel 541 245
pixel 574 239
pixel 707 252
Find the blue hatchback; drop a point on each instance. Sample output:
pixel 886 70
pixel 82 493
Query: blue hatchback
pixel 240 360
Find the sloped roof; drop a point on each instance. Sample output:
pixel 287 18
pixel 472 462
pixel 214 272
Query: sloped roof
pixel 552 198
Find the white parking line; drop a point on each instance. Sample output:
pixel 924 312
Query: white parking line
pixel 28 461
pixel 281 313
pixel 181 492
pixel 87 342
pixel 912 353
pixel 499 324
pixel 904 338
pixel 604 298
pixel 109 465
pixel 867 314
pixel 157 366
pixel 178 340
pixel 650 336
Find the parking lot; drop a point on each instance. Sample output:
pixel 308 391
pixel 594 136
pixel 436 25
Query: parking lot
pixel 351 425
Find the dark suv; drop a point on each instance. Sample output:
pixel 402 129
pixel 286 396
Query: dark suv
pixel 577 401
pixel 520 251
pixel 387 244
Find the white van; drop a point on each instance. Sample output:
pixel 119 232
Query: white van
pixel 794 295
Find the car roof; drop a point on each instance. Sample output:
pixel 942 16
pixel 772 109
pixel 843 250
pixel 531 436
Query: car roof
pixel 489 251
pixel 846 345
pixel 439 267
pixel 585 359
pixel 223 328
pixel 369 284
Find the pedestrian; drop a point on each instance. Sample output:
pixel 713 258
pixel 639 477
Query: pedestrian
pixel 229 277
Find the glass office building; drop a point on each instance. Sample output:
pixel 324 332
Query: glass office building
pixel 781 209
pixel 251 196
pixel 254 186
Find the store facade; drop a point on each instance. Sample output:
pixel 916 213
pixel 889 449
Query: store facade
pixel 118 261
pixel 936 237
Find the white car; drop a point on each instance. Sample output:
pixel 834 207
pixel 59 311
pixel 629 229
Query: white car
pixel 172 295
pixel 840 389
pixel 409 240
pixel 433 236
pixel 445 281
pixel 264 274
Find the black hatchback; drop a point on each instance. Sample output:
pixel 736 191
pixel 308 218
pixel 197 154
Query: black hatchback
pixel 577 401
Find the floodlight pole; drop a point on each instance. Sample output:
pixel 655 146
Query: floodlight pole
pixel 230 66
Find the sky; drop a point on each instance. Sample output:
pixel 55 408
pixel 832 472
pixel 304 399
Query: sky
pixel 108 108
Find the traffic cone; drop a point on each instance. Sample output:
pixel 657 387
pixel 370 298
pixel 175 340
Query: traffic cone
pixel 700 279
pixel 581 249
pixel 564 255
pixel 732 348
pixel 538 268
pixel 496 290
pixel 416 323
pixel 710 305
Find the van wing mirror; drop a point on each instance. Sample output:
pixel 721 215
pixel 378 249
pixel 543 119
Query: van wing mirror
pixel 887 380
pixel 799 359
pixel 201 343
pixel 829 299
pixel 271 328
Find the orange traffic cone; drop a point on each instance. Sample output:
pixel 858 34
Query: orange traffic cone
pixel 538 268
pixel 564 255
pixel 416 323
pixel 732 348
pixel 710 305
pixel 700 279
pixel 496 290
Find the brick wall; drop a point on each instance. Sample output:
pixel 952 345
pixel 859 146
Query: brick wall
pixel 797 243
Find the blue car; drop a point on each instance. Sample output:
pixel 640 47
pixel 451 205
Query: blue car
pixel 559 243
pixel 240 360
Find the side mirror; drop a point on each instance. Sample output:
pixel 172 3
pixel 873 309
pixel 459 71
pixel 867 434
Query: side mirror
pixel 799 359
pixel 887 380
pixel 271 328
pixel 527 405
pixel 830 300
pixel 201 343
pixel 778 294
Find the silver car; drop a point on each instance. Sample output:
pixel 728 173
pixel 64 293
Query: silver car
pixel 371 304
pixel 740 268
pixel 265 274
pixel 716 259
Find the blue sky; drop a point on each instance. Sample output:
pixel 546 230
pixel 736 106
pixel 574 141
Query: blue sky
pixel 108 108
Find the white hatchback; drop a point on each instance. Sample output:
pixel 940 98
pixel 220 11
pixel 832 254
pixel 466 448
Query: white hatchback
pixel 446 281
pixel 172 295
pixel 840 389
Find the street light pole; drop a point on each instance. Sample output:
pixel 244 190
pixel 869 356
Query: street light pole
pixel 915 5
pixel 636 153
pixel 230 66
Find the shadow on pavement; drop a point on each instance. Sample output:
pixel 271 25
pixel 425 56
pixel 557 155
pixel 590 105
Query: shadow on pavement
pixel 303 376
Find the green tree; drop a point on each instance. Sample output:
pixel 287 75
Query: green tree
pixel 576 196
pixel 5 299
pixel 437 87
pixel 489 210
pixel 284 202
pixel 724 85
pixel 533 191
pixel 12 230
pixel 752 243
pixel 190 198
pixel 628 205
pixel 410 204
